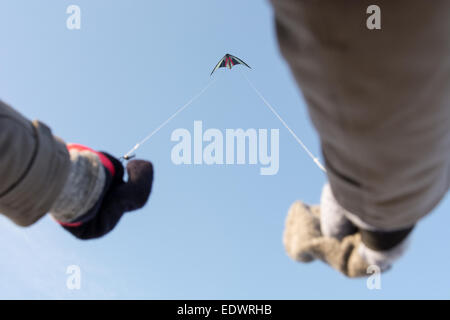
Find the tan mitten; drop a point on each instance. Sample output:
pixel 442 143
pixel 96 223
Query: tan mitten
pixel 304 242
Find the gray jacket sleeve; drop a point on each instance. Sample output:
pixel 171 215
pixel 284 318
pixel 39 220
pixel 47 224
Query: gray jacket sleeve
pixel 378 98
pixel 33 167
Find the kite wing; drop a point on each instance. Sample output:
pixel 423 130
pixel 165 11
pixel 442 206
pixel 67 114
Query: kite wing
pixel 236 60
pixel 221 64
pixel 229 61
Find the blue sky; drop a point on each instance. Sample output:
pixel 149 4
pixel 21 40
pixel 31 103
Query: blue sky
pixel 208 231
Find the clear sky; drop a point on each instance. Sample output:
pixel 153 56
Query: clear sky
pixel 208 231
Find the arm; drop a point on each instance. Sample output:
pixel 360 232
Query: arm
pixel 379 100
pixel 34 166
pixel 83 189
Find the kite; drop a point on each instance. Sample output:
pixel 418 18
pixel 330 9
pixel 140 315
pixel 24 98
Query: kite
pixel 228 61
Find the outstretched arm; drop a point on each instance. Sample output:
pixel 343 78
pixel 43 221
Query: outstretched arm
pixel 34 166
pixel 83 189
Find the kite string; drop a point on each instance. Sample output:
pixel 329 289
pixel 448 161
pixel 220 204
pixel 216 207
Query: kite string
pixel 140 143
pixel 299 141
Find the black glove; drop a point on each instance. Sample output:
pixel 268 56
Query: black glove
pixel 117 198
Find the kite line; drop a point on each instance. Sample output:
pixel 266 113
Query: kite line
pixel 130 154
pixel 227 61
pixel 299 141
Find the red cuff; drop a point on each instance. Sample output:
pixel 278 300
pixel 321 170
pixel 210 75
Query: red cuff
pixel 69 224
pixel 104 159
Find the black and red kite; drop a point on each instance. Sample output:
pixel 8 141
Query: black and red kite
pixel 228 61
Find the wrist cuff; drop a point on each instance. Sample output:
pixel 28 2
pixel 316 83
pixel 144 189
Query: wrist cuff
pixel 84 185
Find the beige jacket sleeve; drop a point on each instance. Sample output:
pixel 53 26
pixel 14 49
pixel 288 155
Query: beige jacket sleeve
pixel 33 167
pixel 380 100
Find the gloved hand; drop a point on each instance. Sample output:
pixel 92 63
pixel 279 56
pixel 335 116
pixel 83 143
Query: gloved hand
pixel 326 233
pixel 95 195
